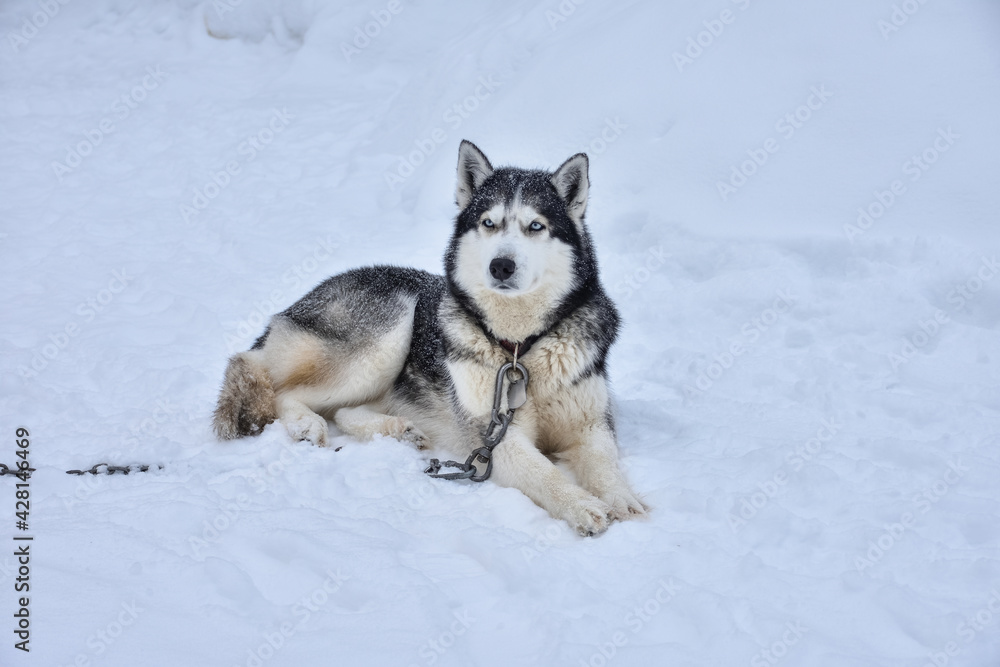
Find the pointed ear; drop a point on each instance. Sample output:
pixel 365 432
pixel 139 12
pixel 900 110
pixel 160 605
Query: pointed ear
pixel 573 185
pixel 473 169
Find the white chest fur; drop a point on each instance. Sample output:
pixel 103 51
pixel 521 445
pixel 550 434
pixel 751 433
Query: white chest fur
pixel 562 398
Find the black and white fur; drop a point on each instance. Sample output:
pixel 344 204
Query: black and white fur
pixel 414 356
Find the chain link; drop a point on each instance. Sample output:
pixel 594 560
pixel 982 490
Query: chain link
pixel 499 421
pixel 22 473
pixel 111 470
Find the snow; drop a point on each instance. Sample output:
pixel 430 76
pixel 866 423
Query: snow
pixel 809 404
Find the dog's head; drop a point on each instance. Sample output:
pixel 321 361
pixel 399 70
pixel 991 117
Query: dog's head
pixel 520 257
pixel 519 232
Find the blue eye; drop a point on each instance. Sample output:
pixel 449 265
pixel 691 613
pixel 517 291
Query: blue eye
pixel 536 226
pixel 488 223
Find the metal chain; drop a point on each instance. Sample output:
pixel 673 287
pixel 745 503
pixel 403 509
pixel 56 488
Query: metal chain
pixel 111 470
pixel 23 473
pixel 499 421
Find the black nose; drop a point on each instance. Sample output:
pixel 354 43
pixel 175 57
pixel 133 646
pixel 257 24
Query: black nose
pixel 502 268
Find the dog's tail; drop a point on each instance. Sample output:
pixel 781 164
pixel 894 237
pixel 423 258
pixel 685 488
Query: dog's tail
pixel 246 402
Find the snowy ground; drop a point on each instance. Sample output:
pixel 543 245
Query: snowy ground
pixel 808 395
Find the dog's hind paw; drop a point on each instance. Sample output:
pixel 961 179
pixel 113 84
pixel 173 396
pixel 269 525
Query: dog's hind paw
pixel 405 430
pixel 416 436
pixel 308 427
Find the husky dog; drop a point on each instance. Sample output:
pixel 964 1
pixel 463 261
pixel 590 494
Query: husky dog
pixel 415 356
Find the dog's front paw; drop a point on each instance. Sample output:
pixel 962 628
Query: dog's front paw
pixel 624 504
pixel 588 516
pixel 308 427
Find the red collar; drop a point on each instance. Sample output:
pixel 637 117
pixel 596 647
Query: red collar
pixel 522 347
